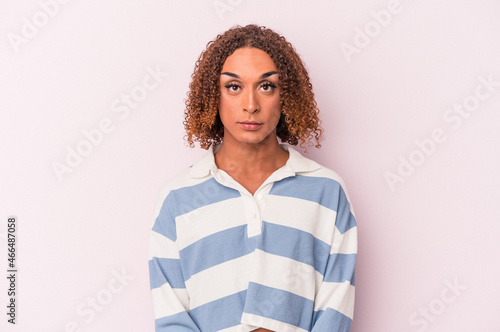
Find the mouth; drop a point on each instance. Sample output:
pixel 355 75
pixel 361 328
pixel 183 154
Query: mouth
pixel 250 125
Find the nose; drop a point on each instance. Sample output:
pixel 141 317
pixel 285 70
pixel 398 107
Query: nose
pixel 250 102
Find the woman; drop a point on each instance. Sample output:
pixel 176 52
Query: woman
pixel 254 236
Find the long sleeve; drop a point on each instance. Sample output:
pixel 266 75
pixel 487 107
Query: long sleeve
pixel 170 299
pixel 334 303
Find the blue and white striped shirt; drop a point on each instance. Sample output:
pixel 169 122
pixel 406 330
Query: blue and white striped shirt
pixel 222 259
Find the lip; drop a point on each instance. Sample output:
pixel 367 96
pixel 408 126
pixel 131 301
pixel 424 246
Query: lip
pixel 250 125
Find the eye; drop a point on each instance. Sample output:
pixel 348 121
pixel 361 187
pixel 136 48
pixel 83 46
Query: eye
pixel 268 87
pixel 232 87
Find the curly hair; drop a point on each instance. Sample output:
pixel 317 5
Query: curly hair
pixel 299 119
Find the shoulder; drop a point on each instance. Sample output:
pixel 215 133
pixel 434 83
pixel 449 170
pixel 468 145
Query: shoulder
pixel 305 167
pixel 190 176
pixel 326 173
pixel 321 181
pixel 178 182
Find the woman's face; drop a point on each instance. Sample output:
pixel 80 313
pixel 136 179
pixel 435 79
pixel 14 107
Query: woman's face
pixel 249 97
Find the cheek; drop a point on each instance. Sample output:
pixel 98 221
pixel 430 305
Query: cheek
pixel 224 108
pixel 276 112
pixel 227 102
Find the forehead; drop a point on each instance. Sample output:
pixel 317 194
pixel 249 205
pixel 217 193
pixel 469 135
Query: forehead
pixel 248 62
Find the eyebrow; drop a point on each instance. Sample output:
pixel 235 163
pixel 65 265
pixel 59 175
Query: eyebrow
pixel 269 73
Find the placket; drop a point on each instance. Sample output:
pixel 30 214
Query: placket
pixel 253 205
pixel 250 209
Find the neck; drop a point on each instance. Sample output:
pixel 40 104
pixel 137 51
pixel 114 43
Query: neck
pixel 266 156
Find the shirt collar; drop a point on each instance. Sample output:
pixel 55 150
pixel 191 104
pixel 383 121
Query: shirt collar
pixel 296 162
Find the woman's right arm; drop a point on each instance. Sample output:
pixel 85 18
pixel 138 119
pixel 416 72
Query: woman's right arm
pixel 169 295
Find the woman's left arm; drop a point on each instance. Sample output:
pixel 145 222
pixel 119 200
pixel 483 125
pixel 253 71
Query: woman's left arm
pixel 334 303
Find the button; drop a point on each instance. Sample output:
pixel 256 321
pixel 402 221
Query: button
pixel 259 196
pixel 254 216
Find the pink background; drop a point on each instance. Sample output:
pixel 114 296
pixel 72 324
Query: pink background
pixel 438 226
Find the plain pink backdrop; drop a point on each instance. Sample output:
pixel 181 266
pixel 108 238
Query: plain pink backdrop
pixel 381 82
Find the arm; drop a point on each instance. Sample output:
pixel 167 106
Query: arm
pixel 169 296
pixel 334 303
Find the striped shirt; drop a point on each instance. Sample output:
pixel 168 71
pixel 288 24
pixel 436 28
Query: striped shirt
pixel 222 259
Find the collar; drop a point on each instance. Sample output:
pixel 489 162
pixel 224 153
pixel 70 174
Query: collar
pixel 296 162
